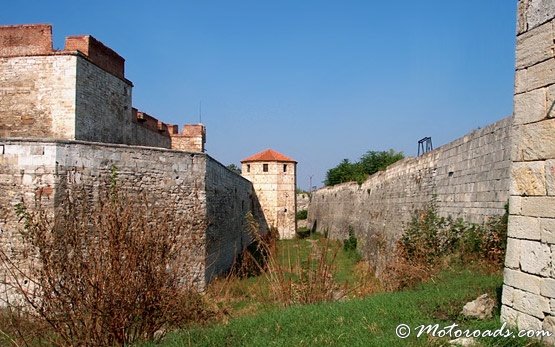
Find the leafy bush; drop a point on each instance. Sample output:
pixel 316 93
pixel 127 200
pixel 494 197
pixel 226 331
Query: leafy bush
pixel 350 244
pixel 301 215
pixel 370 163
pixel 106 271
pixel 430 238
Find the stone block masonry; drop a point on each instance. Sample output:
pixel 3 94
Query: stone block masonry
pixel 67 116
pixel 529 282
pixel 192 183
pixel 468 177
pixel 78 93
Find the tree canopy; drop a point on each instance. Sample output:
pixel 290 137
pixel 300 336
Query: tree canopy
pixel 370 163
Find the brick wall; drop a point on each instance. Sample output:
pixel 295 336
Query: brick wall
pixel 193 138
pixel 469 177
pixel 22 40
pixel 100 55
pixel 529 281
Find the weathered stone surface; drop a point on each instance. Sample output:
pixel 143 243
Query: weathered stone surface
pixel 535 141
pixel 509 315
pixel 531 106
pixel 512 253
pixel 548 287
pixel 535 258
pixel 528 322
pixel 521 280
pixel 550 102
pixel 549 325
pixel 547 230
pixel 528 179
pixel 540 206
pixel 538 12
pixel 480 308
pixel 507 295
pixel 535 76
pixel 532 304
pixel 515 205
pixel 550 177
pixel 522 227
pixel 535 46
pixel 463 341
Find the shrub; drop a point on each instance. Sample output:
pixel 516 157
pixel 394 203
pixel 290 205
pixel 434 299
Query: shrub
pixel 106 271
pixel 350 244
pixel 370 163
pixel 301 215
pixel 430 238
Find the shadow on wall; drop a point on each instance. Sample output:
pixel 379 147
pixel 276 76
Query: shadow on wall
pixel 230 197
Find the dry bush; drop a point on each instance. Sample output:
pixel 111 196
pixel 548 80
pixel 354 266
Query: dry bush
pixel 253 261
pixel 304 281
pixel 290 277
pixel 106 271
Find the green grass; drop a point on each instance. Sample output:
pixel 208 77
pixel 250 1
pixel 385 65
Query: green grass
pixel 359 322
pixel 256 320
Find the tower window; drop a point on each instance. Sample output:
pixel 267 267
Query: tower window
pixel 265 167
pixel 284 167
pixel 248 167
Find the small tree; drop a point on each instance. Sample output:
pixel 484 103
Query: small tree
pixel 370 163
pixel 234 168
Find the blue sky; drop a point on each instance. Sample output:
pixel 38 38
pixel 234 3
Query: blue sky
pixel 316 80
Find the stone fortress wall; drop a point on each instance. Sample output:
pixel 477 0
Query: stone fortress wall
pixel 67 116
pixel 468 177
pixel 528 296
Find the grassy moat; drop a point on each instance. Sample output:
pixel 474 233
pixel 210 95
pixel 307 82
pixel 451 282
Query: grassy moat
pixel 360 314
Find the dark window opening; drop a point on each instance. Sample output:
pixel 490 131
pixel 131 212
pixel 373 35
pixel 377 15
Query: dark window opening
pixel 265 167
pixel 284 167
pixel 248 168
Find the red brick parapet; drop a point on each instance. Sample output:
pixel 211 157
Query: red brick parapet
pixel 36 39
pixel 29 39
pixel 192 139
pixel 101 55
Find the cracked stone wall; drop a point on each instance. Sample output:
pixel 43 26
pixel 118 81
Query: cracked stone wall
pixel 529 281
pixel 469 178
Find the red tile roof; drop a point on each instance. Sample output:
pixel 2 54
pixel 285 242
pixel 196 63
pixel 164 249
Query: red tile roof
pixel 268 155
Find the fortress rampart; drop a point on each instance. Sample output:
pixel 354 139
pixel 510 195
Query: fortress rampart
pixel 467 178
pixel 66 118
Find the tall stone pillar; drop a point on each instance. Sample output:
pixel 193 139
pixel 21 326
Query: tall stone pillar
pixel 529 279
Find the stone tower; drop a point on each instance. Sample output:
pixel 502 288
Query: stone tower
pixel 274 178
